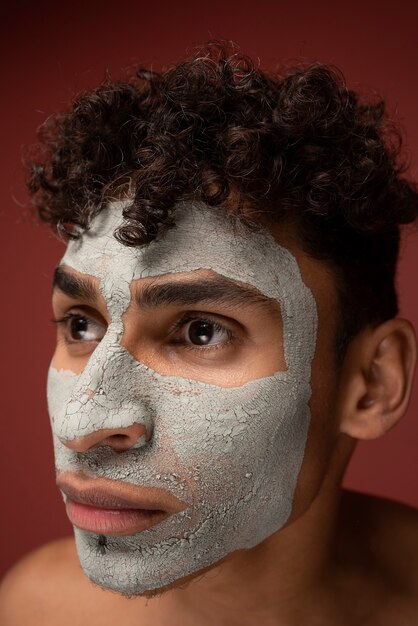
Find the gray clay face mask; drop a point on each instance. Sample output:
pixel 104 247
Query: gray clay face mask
pixel 233 454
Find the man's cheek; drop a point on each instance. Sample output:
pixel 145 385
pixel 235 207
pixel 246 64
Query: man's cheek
pixel 60 388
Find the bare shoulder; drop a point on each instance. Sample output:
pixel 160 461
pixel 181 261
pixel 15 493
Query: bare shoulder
pixel 390 528
pixel 49 582
pixel 46 581
pixel 380 539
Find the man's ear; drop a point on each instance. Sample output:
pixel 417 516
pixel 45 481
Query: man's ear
pixel 376 379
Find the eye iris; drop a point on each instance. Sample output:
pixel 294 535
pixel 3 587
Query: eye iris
pixel 79 325
pixel 200 333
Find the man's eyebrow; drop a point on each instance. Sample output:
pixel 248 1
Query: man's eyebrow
pixel 207 290
pixel 199 291
pixel 73 285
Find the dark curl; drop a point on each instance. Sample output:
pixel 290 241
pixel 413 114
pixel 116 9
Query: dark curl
pixel 298 147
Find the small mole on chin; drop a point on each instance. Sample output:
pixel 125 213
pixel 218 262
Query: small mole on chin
pixel 102 544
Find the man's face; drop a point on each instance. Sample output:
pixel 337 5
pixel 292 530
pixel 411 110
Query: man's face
pixel 182 377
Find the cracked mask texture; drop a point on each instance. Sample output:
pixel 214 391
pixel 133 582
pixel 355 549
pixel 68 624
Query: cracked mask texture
pixel 233 454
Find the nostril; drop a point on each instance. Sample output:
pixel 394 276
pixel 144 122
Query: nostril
pixel 119 439
pixel 119 443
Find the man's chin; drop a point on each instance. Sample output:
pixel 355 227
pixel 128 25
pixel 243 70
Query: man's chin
pixel 130 593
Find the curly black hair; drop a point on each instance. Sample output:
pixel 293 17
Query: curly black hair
pixel 299 147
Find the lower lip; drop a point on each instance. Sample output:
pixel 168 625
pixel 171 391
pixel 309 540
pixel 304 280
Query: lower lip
pixel 111 521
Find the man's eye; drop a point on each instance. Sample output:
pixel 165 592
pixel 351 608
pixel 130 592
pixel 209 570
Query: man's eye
pixel 202 332
pixel 80 328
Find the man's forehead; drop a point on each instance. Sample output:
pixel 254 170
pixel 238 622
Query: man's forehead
pixel 202 238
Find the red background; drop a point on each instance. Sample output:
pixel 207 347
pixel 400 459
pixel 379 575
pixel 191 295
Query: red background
pixel 49 51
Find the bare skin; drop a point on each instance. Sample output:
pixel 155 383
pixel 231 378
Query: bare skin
pixel 341 559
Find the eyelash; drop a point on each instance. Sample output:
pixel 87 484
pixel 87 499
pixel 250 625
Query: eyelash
pixel 185 319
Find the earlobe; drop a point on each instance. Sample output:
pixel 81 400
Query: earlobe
pixel 376 379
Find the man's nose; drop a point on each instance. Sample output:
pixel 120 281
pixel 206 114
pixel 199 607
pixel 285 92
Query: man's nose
pixel 119 439
pixel 105 406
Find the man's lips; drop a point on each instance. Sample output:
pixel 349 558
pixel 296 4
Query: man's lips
pixel 110 507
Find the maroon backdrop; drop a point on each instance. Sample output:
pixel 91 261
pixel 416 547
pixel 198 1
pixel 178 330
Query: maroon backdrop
pixel 52 50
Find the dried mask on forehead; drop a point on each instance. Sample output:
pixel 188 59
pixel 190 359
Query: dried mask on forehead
pixel 233 454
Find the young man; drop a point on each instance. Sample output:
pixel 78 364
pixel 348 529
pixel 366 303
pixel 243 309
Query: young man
pixel 226 333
